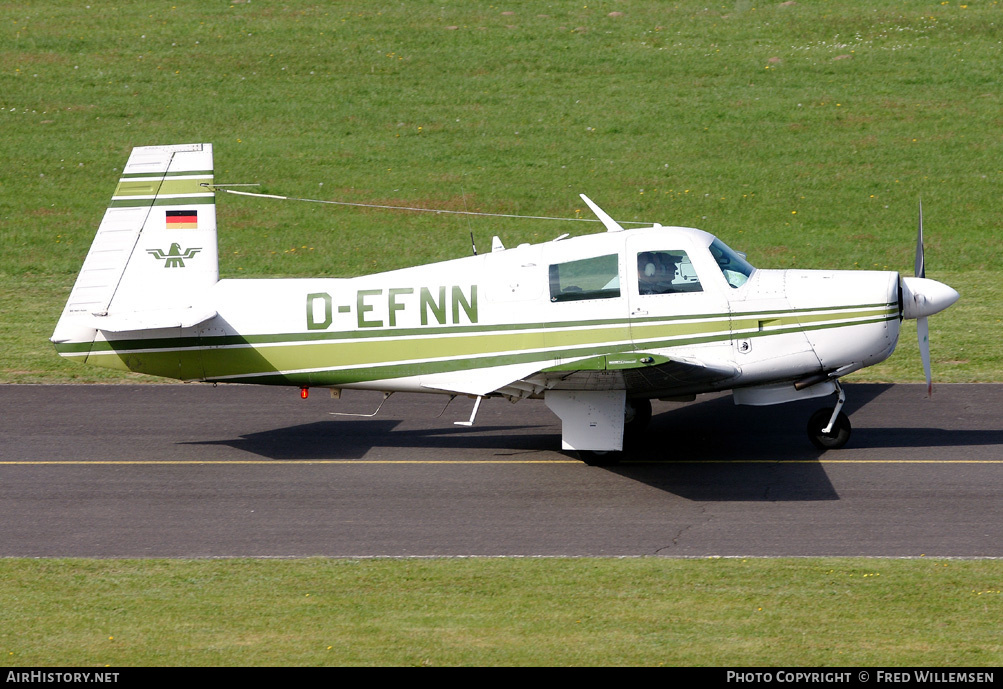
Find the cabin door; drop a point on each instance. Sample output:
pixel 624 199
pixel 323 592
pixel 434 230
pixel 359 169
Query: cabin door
pixel 676 300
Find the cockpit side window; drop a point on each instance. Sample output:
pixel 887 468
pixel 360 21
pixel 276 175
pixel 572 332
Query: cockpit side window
pixel 734 266
pixel 589 278
pixel 666 272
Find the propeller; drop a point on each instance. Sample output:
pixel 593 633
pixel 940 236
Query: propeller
pixel 922 326
pixel 922 298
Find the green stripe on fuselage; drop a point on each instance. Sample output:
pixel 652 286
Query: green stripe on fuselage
pixel 786 319
pixel 397 333
pixel 353 357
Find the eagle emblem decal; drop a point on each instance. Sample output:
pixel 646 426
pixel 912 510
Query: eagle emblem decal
pixel 174 258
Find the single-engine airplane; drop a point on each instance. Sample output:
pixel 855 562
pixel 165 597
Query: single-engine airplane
pixel 595 325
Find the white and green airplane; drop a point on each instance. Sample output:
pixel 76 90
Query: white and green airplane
pixel 596 325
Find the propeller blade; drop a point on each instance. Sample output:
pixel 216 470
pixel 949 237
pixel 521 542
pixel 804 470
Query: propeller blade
pixel 921 298
pixel 923 332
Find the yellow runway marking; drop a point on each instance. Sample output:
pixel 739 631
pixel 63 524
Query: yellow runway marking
pixel 819 461
pixel 287 462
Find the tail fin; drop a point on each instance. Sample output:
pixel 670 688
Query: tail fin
pixel 155 251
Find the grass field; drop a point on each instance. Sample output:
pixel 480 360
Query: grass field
pixel 649 611
pixel 802 133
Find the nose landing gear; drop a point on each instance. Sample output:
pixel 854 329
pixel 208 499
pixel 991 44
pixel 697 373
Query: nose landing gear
pixel 829 429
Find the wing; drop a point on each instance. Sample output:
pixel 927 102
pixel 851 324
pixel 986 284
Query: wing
pixel 638 373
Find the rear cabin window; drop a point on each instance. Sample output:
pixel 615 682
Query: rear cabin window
pixel 588 278
pixel 666 272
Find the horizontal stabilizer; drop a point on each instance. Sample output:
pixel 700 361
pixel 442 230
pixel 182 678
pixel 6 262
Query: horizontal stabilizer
pixel 146 320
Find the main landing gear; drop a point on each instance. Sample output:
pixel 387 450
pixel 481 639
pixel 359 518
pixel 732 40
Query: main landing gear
pixel 636 417
pixel 829 429
pixel 600 458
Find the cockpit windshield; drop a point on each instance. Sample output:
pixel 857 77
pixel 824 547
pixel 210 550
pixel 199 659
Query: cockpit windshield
pixel 735 268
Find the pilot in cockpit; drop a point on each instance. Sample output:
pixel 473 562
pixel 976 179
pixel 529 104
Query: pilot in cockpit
pixel 656 271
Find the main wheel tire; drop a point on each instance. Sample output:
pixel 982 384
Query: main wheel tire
pixel 833 440
pixel 595 458
pixel 636 417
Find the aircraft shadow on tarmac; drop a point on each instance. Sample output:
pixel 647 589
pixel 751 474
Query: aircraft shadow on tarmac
pixel 702 476
pixel 704 450
pixel 340 439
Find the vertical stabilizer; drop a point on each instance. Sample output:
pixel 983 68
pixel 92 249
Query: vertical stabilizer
pixel 155 252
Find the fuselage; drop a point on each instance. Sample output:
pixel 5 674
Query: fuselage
pixel 667 292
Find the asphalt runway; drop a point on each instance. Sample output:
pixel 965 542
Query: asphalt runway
pixel 197 471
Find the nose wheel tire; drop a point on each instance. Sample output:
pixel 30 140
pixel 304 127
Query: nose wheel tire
pixel 834 439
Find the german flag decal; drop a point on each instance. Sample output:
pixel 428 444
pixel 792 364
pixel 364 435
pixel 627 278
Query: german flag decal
pixel 182 220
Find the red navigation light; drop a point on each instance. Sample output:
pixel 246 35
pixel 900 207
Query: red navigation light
pixel 304 392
